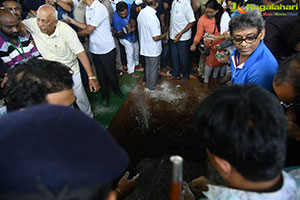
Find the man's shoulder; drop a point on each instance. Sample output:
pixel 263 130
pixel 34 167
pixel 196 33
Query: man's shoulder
pixel 62 27
pixel 99 6
pixel 262 56
pixel 3 45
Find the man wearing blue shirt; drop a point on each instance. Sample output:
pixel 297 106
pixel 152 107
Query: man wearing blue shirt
pixel 251 61
pixel 126 35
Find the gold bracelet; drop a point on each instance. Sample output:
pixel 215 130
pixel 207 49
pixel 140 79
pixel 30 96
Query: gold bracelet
pixel 92 78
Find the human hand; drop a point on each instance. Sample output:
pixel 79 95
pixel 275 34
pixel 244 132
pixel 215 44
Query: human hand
pixel 199 185
pixel 186 193
pixel 217 47
pixel 208 36
pixel 94 85
pixel 222 57
pixel 193 47
pixel 177 37
pixel 126 186
pixel 129 28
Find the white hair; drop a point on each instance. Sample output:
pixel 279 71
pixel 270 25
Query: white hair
pixel 55 14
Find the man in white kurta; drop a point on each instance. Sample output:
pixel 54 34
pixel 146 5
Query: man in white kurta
pixel 150 41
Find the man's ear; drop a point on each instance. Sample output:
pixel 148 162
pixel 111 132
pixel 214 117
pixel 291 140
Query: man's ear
pixel 223 167
pixel 262 34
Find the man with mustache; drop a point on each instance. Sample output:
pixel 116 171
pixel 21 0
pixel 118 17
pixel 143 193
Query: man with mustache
pixel 251 61
pixel 13 47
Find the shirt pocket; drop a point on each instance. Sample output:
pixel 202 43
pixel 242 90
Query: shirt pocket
pixel 179 17
pixel 60 50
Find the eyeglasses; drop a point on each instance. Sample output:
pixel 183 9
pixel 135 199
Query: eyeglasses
pixel 249 39
pixel 286 105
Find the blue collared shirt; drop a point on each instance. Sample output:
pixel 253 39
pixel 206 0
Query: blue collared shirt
pixel 119 23
pixel 259 69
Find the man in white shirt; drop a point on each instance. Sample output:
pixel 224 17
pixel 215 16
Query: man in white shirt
pixel 182 19
pixel 150 41
pixel 102 46
pixel 57 41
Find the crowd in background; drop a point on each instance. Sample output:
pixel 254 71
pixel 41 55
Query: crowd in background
pixel 55 51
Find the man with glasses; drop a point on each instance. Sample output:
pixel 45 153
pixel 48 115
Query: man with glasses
pixel 251 61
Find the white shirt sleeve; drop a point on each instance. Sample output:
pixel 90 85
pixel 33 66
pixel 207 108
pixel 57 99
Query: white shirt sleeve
pixel 189 13
pixel 154 28
pixel 224 24
pixel 73 41
pixel 29 24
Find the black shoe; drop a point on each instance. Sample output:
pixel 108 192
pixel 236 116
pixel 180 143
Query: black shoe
pixel 120 94
pixel 105 101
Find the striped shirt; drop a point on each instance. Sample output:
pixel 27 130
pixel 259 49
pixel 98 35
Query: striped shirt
pixel 11 56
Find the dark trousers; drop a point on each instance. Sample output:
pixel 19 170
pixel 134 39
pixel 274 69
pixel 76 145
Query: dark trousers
pixel 165 55
pixel 106 72
pixel 180 57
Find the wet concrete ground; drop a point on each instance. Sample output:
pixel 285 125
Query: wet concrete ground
pixel 152 125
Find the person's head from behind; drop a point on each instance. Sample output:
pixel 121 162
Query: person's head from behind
pixel 152 3
pixel 247 31
pixel 14 6
pixel 38 81
pixel 56 152
pixel 122 9
pixel 286 81
pixel 47 19
pixel 244 130
pixel 9 25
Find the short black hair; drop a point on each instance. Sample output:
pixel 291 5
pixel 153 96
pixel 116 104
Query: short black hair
pixel 121 6
pixel 3 1
pixel 150 2
pixel 30 82
pixel 289 73
pixel 246 126
pixel 251 19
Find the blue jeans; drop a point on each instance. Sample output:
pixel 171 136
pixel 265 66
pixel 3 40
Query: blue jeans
pixel 180 57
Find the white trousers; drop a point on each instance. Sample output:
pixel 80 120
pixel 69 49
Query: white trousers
pixel 81 98
pixel 132 54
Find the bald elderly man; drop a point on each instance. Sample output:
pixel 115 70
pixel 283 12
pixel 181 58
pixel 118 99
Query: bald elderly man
pixel 13 47
pixel 57 41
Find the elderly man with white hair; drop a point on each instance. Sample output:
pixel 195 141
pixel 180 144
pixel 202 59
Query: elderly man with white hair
pixel 57 41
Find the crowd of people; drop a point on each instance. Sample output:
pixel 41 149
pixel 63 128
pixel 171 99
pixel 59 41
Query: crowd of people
pixel 250 127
